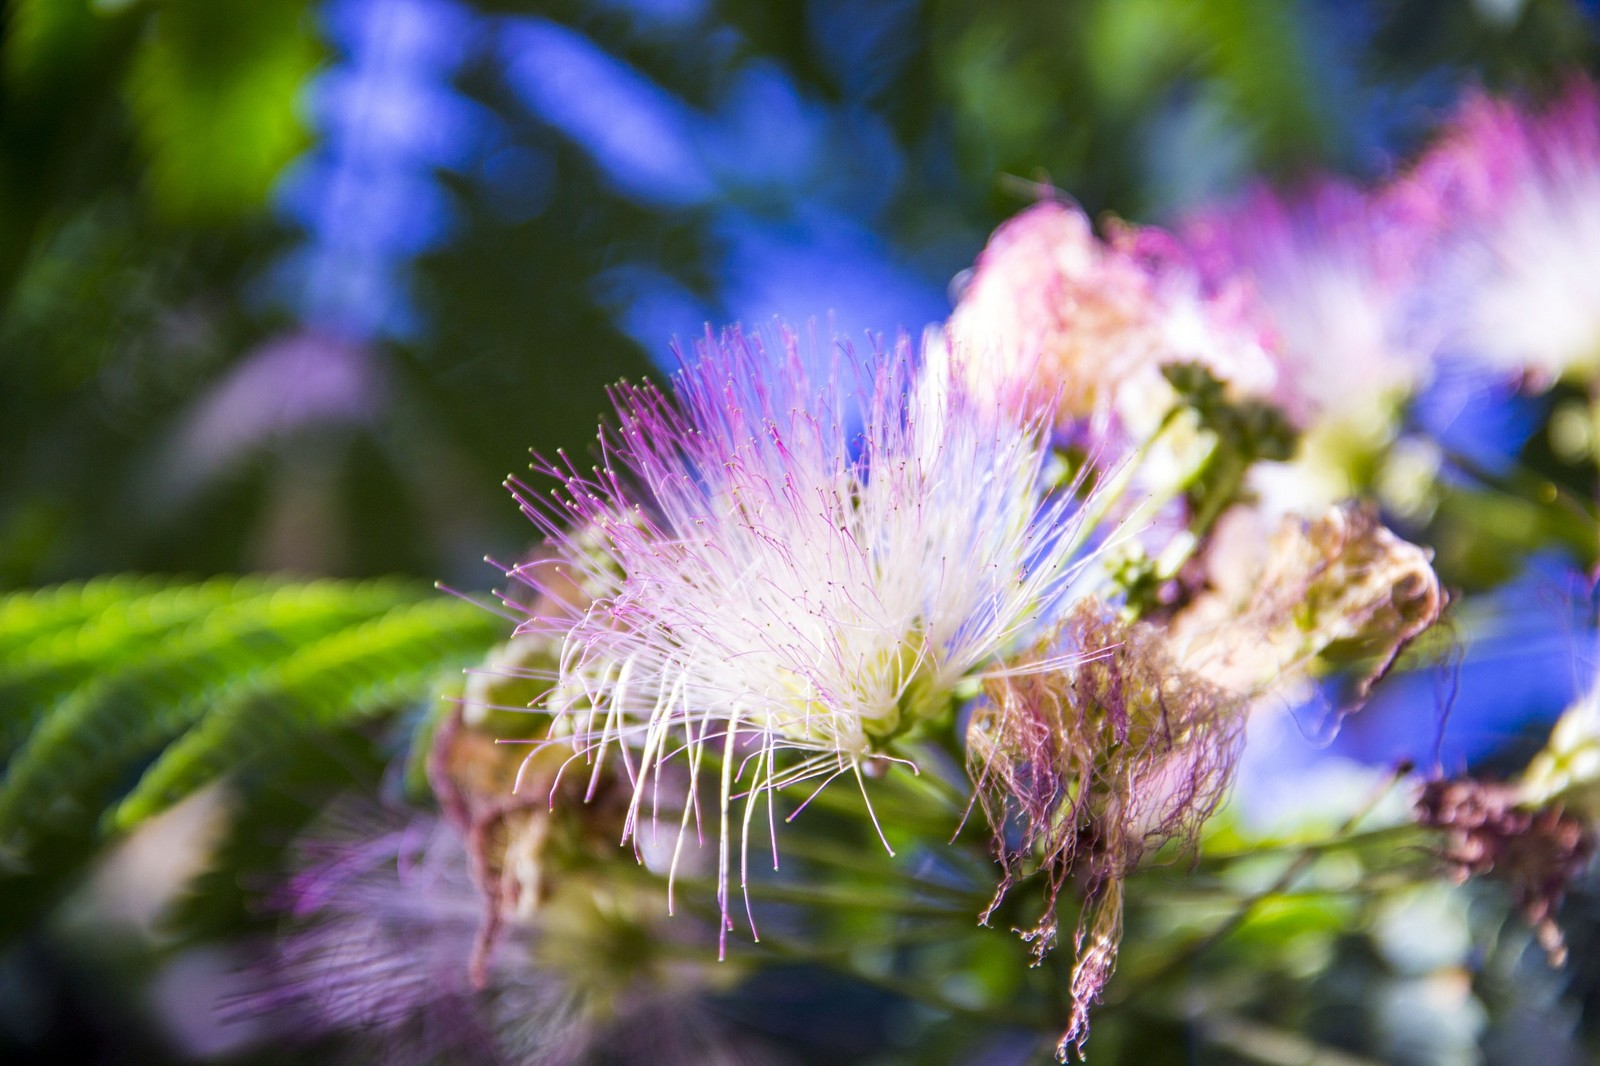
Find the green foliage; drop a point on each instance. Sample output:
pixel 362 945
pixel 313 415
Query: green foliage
pixel 44 35
pixel 54 640
pixel 215 87
pixel 190 683
pixel 329 683
pixel 51 612
pixel 1065 92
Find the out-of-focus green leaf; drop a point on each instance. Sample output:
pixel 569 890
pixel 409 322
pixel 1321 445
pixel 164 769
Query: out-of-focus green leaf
pixel 59 639
pixel 118 715
pixel 1133 46
pixel 328 683
pixel 1073 91
pixel 27 617
pixel 1257 53
pixel 216 90
pixel 46 34
pixel 185 683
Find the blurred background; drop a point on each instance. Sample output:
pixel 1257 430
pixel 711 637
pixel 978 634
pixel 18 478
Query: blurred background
pixel 290 286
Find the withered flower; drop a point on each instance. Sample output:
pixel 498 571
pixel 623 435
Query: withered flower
pixel 1341 583
pixel 1086 771
pixel 1536 851
pixel 1101 766
pixel 1536 833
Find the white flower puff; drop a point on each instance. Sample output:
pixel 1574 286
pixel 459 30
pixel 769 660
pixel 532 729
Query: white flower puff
pixel 791 573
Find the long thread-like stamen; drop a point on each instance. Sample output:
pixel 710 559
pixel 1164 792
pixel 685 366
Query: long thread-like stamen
pixel 802 570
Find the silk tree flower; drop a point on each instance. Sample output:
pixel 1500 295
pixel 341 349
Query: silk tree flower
pixel 1095 328
pixel 1516 190
pixel 1538 833
pixel 1087 770
pixel 481 936
pixel 1047 303
pixel 1273 605
pixel 1051 309
pixel 1338 272
pixel 781 590
pixel 382 919
pixel 1536 851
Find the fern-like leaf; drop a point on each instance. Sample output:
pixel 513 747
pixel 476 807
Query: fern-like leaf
pixel 31 615
pixel 119 697
pixel 61 775
pixel 59 639
pixel 333 682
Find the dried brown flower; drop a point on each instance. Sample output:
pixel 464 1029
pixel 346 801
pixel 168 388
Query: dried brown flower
pixel 1340 583
pixel 1101 765
pixel 1535 851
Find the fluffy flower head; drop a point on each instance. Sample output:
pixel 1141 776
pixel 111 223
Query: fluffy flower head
pixel 1336 271
pixel 1339 274
pixel 1519 191
pixel 773 583
pixel 1050 306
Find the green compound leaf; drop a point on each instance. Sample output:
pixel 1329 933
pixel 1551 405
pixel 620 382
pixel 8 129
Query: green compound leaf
pixel 52 642
pixel 29 616
pixel 124 713
pixel 336 681
pixel 121 696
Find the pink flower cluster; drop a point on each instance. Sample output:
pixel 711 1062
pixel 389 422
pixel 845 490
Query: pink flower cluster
pixel 1513 194
pixel 1051 309
pixel 1331 301
pixel 1011 544
pixel 789 574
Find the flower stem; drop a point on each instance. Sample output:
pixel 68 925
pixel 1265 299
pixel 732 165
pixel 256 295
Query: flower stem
pixel 1305 857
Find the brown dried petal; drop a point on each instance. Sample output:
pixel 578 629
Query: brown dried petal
pixel 1101 764
pixel 499 796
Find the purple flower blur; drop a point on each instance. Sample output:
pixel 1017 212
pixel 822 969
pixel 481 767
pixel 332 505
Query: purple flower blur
pixel 1516 189
pixel 1337 272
